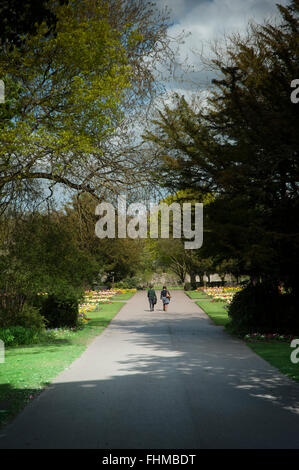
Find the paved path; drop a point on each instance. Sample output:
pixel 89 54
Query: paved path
pixel 162 380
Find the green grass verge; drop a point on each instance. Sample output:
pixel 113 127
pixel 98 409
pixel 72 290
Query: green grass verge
pixel 215 310
pixel 28 369
pixel 125 296
pixel 193 294
pixel 278 355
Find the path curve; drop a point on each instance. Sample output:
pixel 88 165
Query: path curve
pixel 162 380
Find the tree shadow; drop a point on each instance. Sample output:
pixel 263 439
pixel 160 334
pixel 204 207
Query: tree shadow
pixel 13 401
pixel 173 382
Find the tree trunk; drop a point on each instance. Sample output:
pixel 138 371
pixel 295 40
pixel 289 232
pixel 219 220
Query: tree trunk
pixel 193 280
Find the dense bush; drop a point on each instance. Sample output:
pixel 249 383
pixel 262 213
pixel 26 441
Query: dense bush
pixel 128 283
pixel 262 308
pixel 60 308
pixel 40 255
pixel 17 335
pixel 187 286
pixel 27 317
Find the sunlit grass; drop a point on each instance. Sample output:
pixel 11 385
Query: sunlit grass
pixel 278 355
pixel 28 369
pixel 193 294
pixel 125 296
pixel 216 311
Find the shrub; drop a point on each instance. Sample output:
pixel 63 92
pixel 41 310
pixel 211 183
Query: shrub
pixel 60 309
pixel 128 283
pixel 17 335
pixel 6 335
pixel 262 308
pixel 28 317
pixel 187 286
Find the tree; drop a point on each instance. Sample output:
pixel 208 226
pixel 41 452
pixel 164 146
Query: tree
pixel 72 88
pixel 21 18
pixel 116 258
pixel 171 252
pixel 170 255
pixel 40 256
pixel 243 148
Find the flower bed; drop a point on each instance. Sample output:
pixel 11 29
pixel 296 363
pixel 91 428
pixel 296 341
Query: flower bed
pixel 220 294
pixel 94 298
pixel 268 337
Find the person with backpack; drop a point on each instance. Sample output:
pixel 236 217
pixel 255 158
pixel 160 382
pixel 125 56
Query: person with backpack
pixel 165 296
pixel 152 298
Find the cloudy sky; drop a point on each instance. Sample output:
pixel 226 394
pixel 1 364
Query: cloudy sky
pixel 210 16
pixel 206 20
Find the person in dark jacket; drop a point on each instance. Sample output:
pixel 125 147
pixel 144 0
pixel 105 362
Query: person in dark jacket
pixel 165 296
pixel 152 298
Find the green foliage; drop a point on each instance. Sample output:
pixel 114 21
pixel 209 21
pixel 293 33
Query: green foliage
pixel 78 68
pixel 118 258
pixel 63 74
pixel 227 266
pixel 27 317
pixel 170 254
pixel 41 254
pixel 121 258
pixel 27 369
pixel 129 283
pixel 30 317
pixel 18 335
pixel 243 148
pixel 262 308
pixel 60 309
pixel 41 257
pixel 20 18
pixel 187 286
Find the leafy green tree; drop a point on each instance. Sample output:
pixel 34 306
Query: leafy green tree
pixel 40 255
pixel 116 258
pixel 170 255
pixel 72 89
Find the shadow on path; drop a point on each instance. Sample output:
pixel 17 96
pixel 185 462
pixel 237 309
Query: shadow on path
pixel 162 380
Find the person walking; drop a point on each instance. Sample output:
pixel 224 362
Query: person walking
pixel 152 298
pixel 165 296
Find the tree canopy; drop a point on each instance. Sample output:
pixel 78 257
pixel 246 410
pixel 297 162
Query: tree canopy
pixel 72 86
pixel 243 147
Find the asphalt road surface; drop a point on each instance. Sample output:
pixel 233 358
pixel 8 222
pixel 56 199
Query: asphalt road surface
pixel 162 380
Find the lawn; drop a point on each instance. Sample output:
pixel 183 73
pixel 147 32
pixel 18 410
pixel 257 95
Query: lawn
pixel 125 296
pixel 215 310
pixel 193 294
pixel 278 355
pixel 28 369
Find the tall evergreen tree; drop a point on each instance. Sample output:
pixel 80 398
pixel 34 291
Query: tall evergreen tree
pixel 243 147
